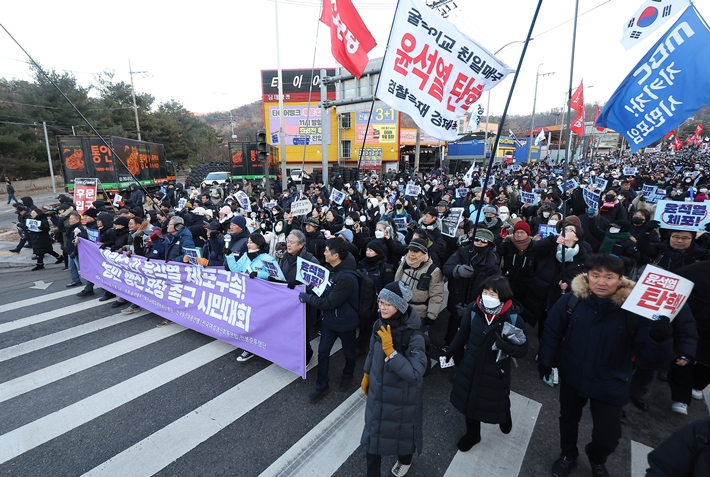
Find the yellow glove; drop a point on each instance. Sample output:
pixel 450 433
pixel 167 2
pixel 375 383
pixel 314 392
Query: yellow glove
pixel 386 336
pixel 365 385
pixel 186 259
pixel 203 261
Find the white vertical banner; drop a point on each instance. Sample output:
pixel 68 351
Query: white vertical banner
pixel 434 72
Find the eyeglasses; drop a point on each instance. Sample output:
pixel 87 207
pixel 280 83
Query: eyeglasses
pixel 384 304
pixel 482 240
pixel 681 237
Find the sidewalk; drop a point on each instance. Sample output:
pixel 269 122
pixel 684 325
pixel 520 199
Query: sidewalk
pixel 22 259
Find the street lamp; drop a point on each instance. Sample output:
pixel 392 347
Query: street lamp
pixel 532 122
pixel 488 102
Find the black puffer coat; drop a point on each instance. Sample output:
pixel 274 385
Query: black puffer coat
pixel 699 303
pixel 41 241
pixel 482 386
pixel 485 264
pixel 393 416
pixel 683 454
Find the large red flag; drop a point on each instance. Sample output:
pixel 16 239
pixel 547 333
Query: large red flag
pixel 699 129
pixel 596 116
pixel 578 124
pixel 577 100
pixel 349 37
pixel 677 143
pixel 669 134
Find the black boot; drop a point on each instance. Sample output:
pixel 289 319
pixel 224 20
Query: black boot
pixel 39 266
pixel 60 259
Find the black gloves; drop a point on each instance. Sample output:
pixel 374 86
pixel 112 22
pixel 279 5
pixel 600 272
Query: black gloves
pixel 291 285
pixel 504 345
pixel 227 251
pixel 252 275
pixel 545 372
pixel 652 224
pixel 661 329
pixel 304 297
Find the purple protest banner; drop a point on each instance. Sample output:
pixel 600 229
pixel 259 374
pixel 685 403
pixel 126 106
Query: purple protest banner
pixel 264 318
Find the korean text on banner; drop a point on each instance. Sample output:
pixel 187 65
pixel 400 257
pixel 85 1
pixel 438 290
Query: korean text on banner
pixel 601 183
pixel 312 274
pixel 528 197
pixel 434 72
pixel 658 293
pixel 690 216
pixel 591 198
pixel 224 305
pixel 84 194
pixel 350 39
pixel 451 222
pixel 461 193
pixel 412 190
pixel 669 84
pixel 300 207
pixel 337 196
pixel 243 200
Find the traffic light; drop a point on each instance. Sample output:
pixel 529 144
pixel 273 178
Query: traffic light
pixel 261 146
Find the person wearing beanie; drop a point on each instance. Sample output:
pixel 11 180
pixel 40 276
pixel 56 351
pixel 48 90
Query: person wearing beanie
pixel 518 258
pixel 238 236
pixel 425 279
pixel 92 230
pixel 315 239
pixel 107 235
pixel 38 232
pixel 393 382
pixel 617 241
pixel 467 269
pixel 120 230
pixel 482 384
pixel 381 271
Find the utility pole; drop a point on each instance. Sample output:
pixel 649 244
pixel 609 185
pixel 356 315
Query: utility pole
pixel 73 133
pixel 532 122
pixel 231 123
pixel 133 93
pixel 49 157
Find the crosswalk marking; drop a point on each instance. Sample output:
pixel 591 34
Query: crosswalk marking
pixel 55 372
pixel 29 436
pixel 65 335
pixel 639 464
pixel 324 449
pixel 34 301
pixel 46 316
pixel 499 455
pixel 160 449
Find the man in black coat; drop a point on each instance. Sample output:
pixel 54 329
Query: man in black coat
pixel 684 454
pixel 596 343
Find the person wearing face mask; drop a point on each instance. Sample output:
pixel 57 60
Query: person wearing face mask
pixel 617 241
pixel 702 194
pixel 315 239
pixel 398 212
pixel 611 209
pixel 492 222
pixel 394 382
pixel 544 211
pixel 467 269
pixel 518 261
pixel 481 389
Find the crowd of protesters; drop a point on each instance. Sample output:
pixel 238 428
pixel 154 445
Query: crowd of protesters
pixel 500 269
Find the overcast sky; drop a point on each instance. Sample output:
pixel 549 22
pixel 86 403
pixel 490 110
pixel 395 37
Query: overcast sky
pixel 208 54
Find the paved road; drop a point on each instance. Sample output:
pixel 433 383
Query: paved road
pixel 7 212
pixel 85 390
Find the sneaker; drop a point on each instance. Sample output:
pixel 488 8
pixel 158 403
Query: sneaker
pixel 37 267
pixel 698 394
pixel 563 466
pixel 345 384
pixel 84 293
pixel 131 309
pixel 680 408
pixel 245 356
pixel 117 303
pixel 400 469
pixel 318 394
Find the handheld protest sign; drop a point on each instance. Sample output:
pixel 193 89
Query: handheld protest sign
pixel 451 221
pixel 300 207
pixel 312 274
pixel 337 196
pixel 658 293
pixel 691 216
pixel 243 200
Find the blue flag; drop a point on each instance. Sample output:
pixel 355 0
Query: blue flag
pixel 668 85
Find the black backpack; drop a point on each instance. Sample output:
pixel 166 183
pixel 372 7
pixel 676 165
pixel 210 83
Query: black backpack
pixel 367 295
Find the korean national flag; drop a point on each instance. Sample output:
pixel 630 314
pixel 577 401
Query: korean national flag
pixel 651 15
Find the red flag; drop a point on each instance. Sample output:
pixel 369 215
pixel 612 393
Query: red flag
pixel 599 110
pixel 670 134
pixel 690 140
pixel 699 129
pixel 578 125
pixel 577 100
pixel 349 37
pixel 677 143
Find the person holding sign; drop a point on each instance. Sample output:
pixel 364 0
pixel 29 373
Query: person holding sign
pixel 400 216
pixel 38 230
pixel 596 340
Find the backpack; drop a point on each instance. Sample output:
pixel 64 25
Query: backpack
pixel 632 319
pixel 367 295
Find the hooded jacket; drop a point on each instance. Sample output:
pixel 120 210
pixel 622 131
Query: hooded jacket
pixel 393 414
pixel 40 240
pixel 339 301
pixel 595 344
pixel 175 243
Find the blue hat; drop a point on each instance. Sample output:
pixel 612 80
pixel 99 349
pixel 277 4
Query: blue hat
pixel 347 233
pixel 240 221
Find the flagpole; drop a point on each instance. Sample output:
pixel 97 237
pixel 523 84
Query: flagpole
pixel 282 126
pixel 569 133
pixel 374 98
pixel 505 113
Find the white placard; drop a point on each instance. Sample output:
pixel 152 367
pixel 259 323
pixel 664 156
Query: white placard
pixel 658 293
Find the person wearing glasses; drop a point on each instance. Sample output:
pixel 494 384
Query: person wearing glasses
pixel 678 251
pixel 467 269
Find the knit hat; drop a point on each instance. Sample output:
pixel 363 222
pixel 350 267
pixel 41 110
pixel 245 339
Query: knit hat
pixel 347 234
pixel 398 294
pixel 490 209
pixel 91 212
pixel 418 245
pixel 522 225
pixel 570 219
pixel 214 226
pixel 240 221
pixel 120 221
pixel 485 234
pixel 442 203
pixel 226 210
pixel 106 219
pixel 198 210
pixel 313 222
pixel 378 247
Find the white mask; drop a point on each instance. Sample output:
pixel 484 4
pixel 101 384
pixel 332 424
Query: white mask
pixel 489 302
pixel 614 230
pixel 546 214
pixel 349 221
pixel 551 222
pixel 379 234
pixel 703 190
pixel 503 217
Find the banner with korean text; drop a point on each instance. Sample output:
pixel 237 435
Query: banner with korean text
pixel 689 216
pixel 669 84
pixel 434 72
pixel 658 293
pixel 84 194
pixel 258 316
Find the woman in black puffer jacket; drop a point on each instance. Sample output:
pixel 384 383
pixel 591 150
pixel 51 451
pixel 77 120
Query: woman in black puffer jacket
pixel 38 230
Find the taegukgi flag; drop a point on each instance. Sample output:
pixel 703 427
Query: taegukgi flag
pixel 434 72
pixel 669 84
pixel 350 39
pixel 648 18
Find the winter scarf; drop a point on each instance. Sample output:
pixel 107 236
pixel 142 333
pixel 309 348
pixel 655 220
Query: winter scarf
pixel 569 253
pixel 612 239
pixel 521 243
